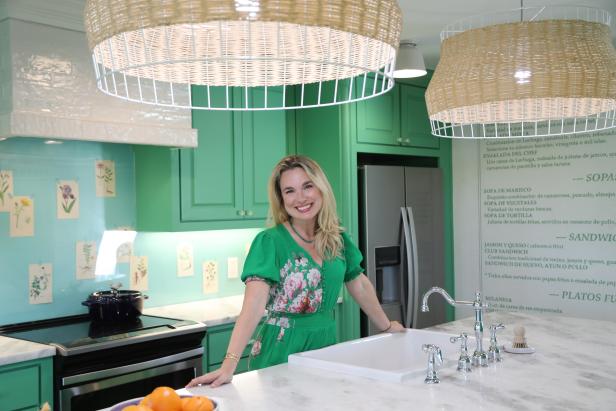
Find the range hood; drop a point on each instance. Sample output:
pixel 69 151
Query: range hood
pixel 48 88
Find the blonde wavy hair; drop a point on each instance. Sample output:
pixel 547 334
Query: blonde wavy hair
pixel 328 242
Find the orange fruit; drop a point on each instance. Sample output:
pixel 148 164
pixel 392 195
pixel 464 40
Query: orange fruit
pixel 197 403
pixel 137 408
pixel 163 399
pixel 146 401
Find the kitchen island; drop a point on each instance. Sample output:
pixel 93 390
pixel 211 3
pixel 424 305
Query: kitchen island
pixel 573 368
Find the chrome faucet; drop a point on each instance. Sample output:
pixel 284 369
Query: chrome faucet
pixel 480 358
pixel 435 359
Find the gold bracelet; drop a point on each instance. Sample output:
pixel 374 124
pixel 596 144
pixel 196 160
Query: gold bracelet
pixel 388 328
pixel 231 356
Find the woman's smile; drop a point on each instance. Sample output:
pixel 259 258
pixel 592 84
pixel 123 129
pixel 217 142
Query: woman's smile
pixel 304 208
pixel 302 199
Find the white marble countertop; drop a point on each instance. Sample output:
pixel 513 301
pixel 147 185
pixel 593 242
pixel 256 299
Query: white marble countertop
pixel 210 312
pixel 573 368
pixel 13 350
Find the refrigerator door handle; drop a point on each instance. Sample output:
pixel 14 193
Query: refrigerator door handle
pixel 414 263
pixel 403 263
pixel 407 302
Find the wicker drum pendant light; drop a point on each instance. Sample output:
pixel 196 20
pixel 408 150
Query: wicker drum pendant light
pixel 537 71
pixel 154 51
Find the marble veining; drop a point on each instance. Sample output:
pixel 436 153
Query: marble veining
pixel 13 350
pixel 572 369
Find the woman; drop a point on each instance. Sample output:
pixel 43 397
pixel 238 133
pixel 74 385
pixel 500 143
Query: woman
pixel 296 270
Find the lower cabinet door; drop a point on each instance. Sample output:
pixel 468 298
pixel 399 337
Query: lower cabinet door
pixel 217 341
pixel 26 385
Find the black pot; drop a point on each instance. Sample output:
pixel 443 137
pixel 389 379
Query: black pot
pixel 115 305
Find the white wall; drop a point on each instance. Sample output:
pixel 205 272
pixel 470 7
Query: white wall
pixel 465 161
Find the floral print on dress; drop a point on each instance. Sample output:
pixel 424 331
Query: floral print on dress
pixel 256 348
pixel 282 322
pixel 300 289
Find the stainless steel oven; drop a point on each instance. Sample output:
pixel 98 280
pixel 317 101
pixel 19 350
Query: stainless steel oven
pixel 98 365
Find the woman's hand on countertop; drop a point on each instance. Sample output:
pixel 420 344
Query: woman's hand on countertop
pixel 216 378
pixel 395 327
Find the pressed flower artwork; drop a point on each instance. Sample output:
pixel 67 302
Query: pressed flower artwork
pixel 210 277
pixel 67 200
pixel 6 189
pixel 185 259
pixel 85 256
pixel 139 273
pixel 105 178
pixel 124 252
pixel 22 217
pixel 39 280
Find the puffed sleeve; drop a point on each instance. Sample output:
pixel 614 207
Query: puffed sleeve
pixel 261 260
pixel 353 258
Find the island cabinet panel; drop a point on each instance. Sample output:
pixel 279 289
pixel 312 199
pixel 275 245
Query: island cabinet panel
pixel 220 184
pixel 26 385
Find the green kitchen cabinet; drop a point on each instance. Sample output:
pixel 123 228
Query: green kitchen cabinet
pixel 215 346
pixel 415 130
pixel 26 385
pixel 378 119
pixel 396 118
pixel 222 183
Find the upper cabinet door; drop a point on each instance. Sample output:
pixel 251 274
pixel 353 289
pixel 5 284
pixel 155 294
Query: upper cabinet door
pixel 378 118
pixel 415 130
pixel 264 144
pixel 211 186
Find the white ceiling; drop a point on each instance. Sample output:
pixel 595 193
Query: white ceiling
pixel 424 19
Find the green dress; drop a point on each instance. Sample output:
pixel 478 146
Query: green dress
pixel 302 296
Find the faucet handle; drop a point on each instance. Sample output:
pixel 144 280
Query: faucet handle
pixel 464 362
pixel 463 338
pixel 494 352
pixel 493 329
pixel 435 358
pixel 434 351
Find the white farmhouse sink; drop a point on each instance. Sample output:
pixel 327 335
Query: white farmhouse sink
pixel 386 357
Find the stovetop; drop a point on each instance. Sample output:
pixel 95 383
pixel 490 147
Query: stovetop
pixel 77 334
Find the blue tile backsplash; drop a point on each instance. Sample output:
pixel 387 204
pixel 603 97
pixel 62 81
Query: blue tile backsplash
pixel 36 168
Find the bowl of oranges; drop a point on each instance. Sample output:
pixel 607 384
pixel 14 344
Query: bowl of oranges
pixel 166 399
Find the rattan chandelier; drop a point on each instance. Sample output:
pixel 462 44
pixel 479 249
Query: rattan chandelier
pixel 529 72
pixel 245 54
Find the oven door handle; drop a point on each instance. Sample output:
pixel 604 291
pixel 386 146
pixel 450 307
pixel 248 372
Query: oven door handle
pixel 112 372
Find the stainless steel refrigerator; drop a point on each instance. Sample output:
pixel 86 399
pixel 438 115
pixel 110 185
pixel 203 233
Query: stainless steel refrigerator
pixel 402 240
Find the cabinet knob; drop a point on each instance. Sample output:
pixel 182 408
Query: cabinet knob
pixel 407 140
pixel 249 213
pixel 241 213
pixel 400 140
